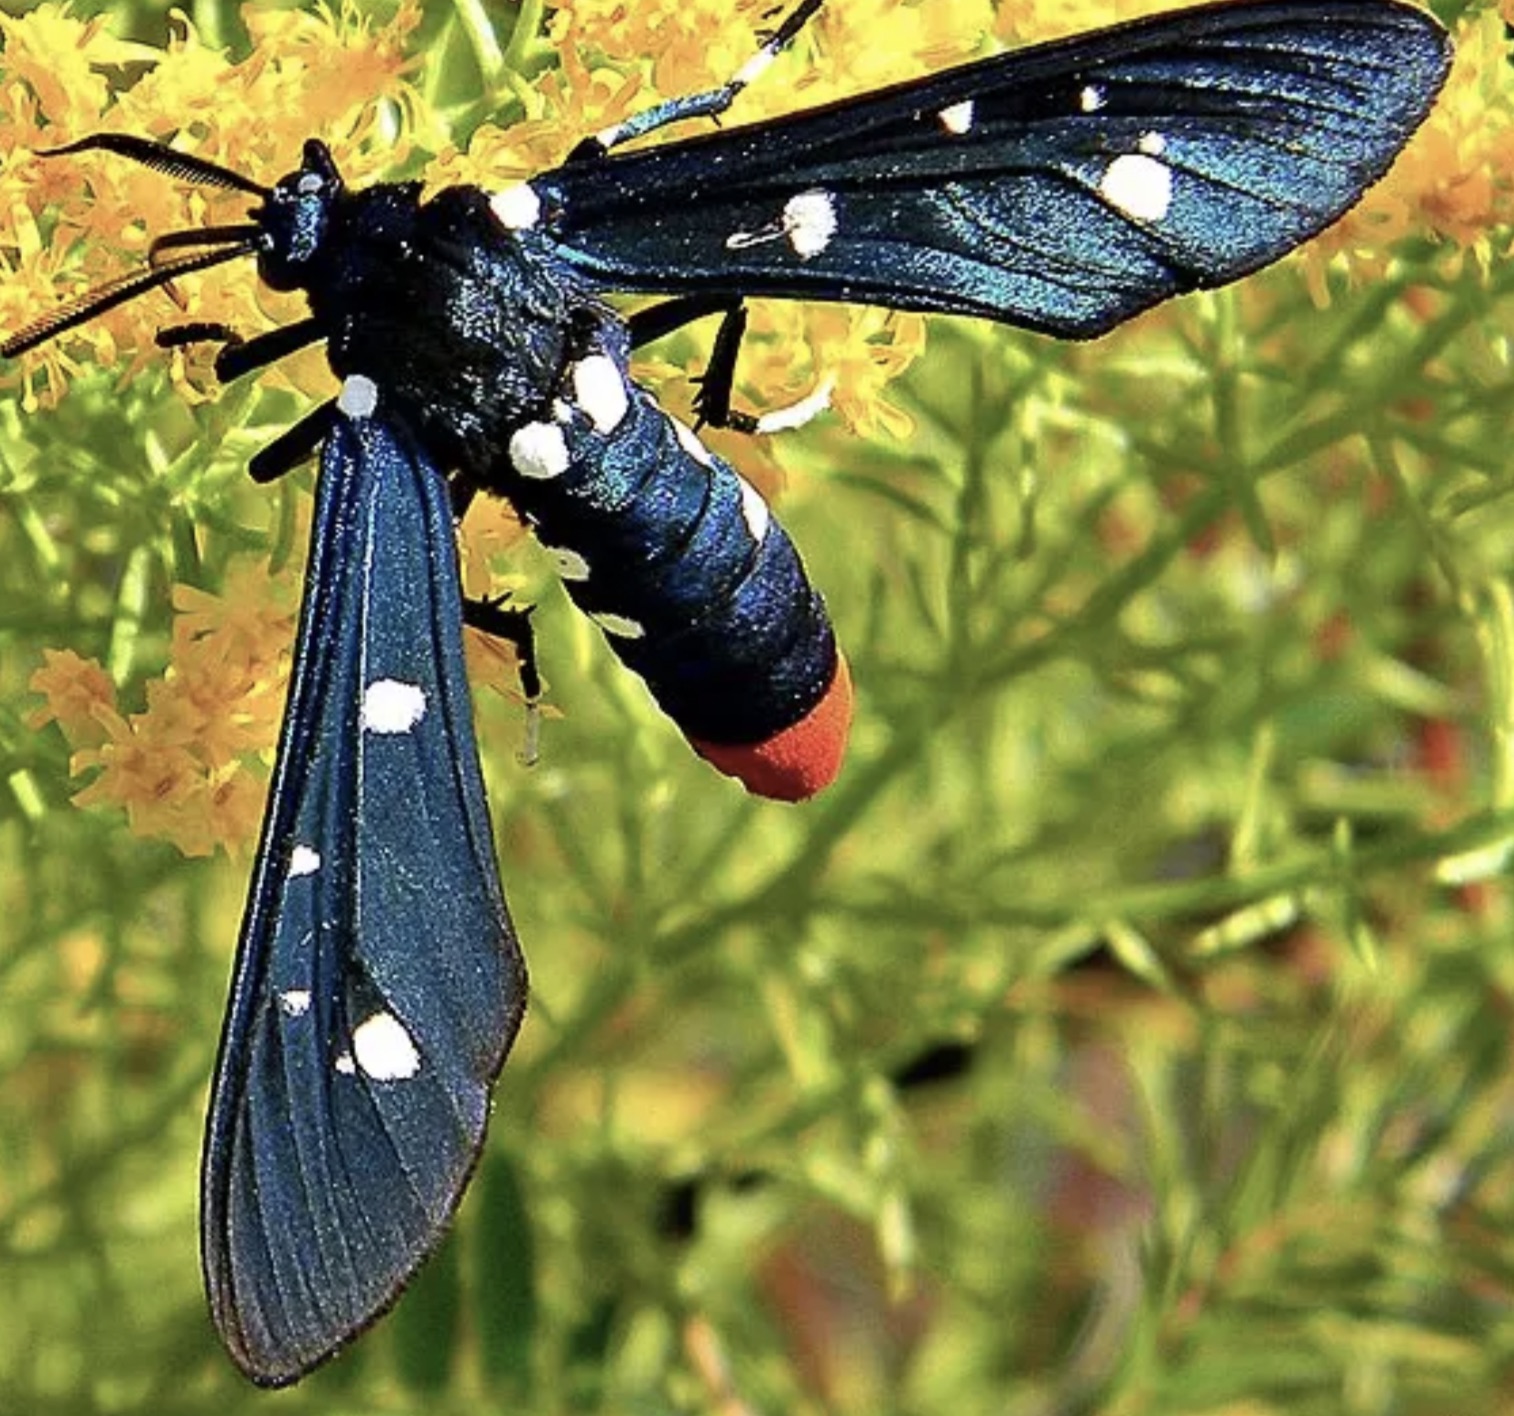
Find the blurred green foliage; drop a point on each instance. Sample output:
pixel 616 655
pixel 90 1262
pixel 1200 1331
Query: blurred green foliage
pixel 1174 832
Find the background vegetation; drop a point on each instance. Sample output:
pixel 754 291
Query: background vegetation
pixel 1127 1031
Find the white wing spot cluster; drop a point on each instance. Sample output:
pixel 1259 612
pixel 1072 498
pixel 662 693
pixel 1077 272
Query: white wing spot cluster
pixel 621 626
pixel 957 118
pixel 516 207
pixel 1140 183
pixel 359 396
pixel 539 451
pixel 600 391
pixel 390 706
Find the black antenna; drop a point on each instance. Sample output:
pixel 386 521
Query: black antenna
pixel 95 302
pixel 225 243
pixel 184 166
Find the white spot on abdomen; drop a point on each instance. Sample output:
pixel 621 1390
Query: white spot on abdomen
pixel 958 118
pixel 600 391
pixel 359 396
pixel 516 207
pixel 688 440
pixel 754 510
pixel 384 1049
pixel 539 451
pixel 1139 185
pixel 390 706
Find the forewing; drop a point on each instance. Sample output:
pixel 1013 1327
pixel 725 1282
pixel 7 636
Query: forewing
pixel 1064 187
pixel 378 983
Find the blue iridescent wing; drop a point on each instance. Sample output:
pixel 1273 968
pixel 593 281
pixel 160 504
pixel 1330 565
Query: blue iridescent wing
pixel 378 982
pixel 1064 187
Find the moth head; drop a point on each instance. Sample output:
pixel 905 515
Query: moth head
pixel 295 218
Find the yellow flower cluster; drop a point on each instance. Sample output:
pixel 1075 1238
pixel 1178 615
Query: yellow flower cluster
pixel 177 769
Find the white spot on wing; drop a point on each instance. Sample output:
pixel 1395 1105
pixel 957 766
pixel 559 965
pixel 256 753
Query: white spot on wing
pixel 621 626
pixel 957 118
pixel 1139 185
pixel 600 391
pixel 753 510
pixel 688 440
pixel 809 221
pixel 1152 144
pixel 1091 98
pixel 516 207
pixel 539 450
pixel 383 1049
pixel 570 565
pixel 359 396
pixel 303 861
pixel 390 706
pixel 294 1002
pixel 344 1064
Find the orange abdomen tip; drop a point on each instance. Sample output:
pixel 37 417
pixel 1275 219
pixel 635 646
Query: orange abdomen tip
pixel 799 761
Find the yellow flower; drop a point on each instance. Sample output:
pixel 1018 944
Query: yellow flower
pixel 575 100
pixel 77 691
pixel 183 768
pixel 60 63
pixel 154 781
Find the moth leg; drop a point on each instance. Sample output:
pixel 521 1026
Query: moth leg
pixel 240 356
pixel 709 104
pixel 293 446
pixel 712 403
pixel 496 616
pixel 656 321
